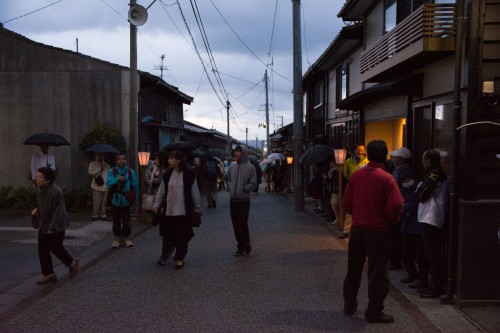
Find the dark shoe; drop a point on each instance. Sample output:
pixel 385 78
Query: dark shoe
pixel 95 219
pixel 162 261
pixel 431 294
pixel 248 249
pixel 408 279
pixel 344 236
pixel 380 319
pixel 214 204
pixel 418 284
pixel 209 206
pixel 239 253
pixel 73 268
pixel 394 267
pixel 349 309
pixel 179 265
pixel 47 279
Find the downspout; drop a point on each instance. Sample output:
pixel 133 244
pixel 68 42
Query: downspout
pixel 457 109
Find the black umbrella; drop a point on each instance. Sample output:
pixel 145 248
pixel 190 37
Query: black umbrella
pixel 102 148
pixel 180 145
pixel 218 153
pixel 49 139
pixel 315 154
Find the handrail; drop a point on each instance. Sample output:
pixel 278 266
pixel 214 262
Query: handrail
pixel 427 22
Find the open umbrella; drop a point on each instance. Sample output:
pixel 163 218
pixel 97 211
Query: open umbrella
pixel 315 154
pixel 276 156
pixel 218 153
pixel 267 161
pixel 102 148
pixel 49 139
pixel 180 145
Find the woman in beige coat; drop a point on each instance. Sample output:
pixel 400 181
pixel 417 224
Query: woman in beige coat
pixel 99 190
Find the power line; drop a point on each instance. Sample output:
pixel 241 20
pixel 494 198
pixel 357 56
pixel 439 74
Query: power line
pixel 36 10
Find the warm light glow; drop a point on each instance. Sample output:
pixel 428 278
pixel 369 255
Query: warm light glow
pixel 340 155
pixel 289 160
pixel 143 158
pixel 488 87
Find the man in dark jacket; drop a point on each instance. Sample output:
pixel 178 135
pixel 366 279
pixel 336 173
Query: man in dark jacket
pixel 373 198
pixel 243 181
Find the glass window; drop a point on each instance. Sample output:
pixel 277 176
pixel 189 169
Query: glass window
pixel 390 15
pixel 343 82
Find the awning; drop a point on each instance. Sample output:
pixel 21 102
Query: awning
pixel 407 86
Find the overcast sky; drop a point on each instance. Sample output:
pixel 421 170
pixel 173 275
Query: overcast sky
pixel 240 36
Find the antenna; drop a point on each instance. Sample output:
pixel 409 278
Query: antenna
pixel 161 67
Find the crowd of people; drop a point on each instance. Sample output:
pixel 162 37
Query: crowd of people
pixel 393 218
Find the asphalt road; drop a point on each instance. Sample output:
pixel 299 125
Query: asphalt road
pixel 292 282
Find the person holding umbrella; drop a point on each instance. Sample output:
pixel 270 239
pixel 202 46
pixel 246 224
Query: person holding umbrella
pixel 41 159
pixel 99 169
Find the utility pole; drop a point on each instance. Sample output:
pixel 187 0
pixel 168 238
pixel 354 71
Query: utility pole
pixel 228 148
pixel 298 112
pixel 246 136
pixel 256 142
pixel 267 112
pixel 133 125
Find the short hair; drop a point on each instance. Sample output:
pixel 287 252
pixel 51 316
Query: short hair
pixel 434 157
pixel 48 174
pixel 178 155
pixel 377 151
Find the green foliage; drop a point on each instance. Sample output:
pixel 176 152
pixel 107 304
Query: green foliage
pixel 78 200
pixel 103 133
pixel 17 199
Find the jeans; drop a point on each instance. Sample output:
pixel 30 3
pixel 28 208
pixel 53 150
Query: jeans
pixel 373 244
pixel 48 243
pixel 239 212
pixel 413 252
pixel 121 221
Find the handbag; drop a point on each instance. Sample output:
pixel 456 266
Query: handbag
pixel 99 180
pixel 148 200
pixel 196 219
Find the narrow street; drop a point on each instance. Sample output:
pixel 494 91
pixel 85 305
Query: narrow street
pixel 292 282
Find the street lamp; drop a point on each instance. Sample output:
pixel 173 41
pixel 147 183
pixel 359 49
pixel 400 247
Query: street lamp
pixel 143 163
pixel 289 161
pixel 340 155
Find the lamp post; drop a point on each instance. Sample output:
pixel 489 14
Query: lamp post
pixel 143 163
pixel 289 161
pixel 340 155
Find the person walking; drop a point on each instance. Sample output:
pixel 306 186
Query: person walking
pixel 209 172
pixel 51 219
pixel 432 193
pixel 352 164
pixel 123 184
pixel 98 170
pixel 373 198
pixel 243 181
pixel 180 197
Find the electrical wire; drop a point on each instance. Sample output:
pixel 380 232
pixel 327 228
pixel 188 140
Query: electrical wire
pixel 34 11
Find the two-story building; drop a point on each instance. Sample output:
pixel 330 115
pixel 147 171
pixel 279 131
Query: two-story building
pixel 425 74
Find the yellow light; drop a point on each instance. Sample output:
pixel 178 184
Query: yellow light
pixel 289 159
pixel 340 155
pixel 143 158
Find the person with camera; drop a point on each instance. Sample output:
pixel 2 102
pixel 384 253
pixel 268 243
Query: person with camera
pixel 124 187
pixel 98 170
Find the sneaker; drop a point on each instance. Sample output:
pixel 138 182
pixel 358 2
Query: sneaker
pixel 47 279
pixel 239 253
pixel 128 243
pixel 162 261
pixel 116 243
pixel 380 319
pixel 73 268
pixel 333 222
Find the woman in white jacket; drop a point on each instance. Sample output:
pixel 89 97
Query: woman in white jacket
pixel 99 189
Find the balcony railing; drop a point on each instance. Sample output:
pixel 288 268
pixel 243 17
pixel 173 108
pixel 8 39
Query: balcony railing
pixel 431 28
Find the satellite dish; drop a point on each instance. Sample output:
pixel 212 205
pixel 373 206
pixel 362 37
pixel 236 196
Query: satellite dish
pixel 137 15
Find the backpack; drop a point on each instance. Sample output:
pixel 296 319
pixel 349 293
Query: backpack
pixel 211 170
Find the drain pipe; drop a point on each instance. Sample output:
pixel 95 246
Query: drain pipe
pixel 457 109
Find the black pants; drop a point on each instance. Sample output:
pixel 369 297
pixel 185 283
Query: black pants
pixel 373 244
pixel 48 243
pixel 395 245
pixel 178 233
pixel 413 252
pixel 121 221
pixel 432 238
pixel 239 216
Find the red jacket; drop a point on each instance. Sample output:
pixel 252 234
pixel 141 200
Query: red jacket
pixel 373 198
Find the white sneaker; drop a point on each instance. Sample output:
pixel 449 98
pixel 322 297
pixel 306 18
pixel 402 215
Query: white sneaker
pixel 333 222
pixel 128 243
pixel 116 243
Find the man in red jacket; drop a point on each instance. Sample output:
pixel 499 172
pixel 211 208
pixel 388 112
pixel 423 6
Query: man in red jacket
pixel 374 200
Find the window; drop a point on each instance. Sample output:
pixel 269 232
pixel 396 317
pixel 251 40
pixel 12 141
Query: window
pixel 390 15
pixel 342 82
pixel 318 95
